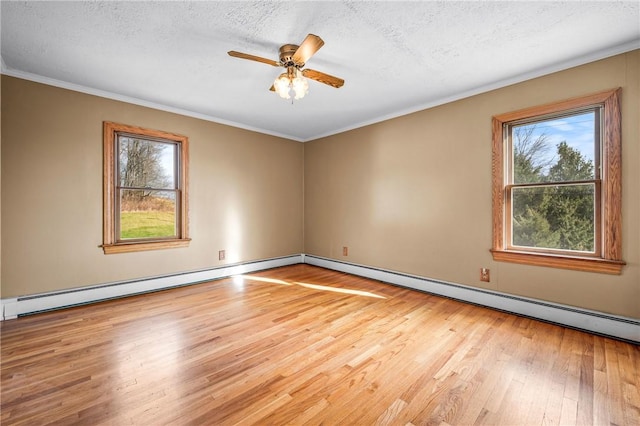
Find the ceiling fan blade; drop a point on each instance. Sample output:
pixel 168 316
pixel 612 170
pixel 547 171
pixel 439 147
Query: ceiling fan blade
pixel 311 44
pixel 272 88
pixel 323 78
pixel 253 58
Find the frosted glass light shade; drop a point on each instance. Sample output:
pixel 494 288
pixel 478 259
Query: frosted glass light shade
pixel 286 87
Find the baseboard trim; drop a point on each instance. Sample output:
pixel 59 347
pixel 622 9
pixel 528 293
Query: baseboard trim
pixel 17 306
pixel 619 327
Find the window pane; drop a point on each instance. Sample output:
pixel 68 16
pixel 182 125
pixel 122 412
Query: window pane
pixel 147 214
pixel 555 150
pixel 555 217
pixel 146 164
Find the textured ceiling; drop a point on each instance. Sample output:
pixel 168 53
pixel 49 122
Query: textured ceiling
pixel 396 57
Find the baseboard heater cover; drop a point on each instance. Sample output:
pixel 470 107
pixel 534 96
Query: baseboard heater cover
pixel 13 307
pixel 623 328
pixel 619 327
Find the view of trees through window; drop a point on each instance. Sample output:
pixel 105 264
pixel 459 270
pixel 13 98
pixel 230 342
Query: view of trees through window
pixel 554 182
pixel 147 188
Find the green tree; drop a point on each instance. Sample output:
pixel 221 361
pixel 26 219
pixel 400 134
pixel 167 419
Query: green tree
pixel 532 229
pixel 557 217
pixel 530 160
pixel 571 165
pixel 570 208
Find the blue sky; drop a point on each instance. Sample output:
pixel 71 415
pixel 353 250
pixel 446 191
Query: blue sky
pixel 577 130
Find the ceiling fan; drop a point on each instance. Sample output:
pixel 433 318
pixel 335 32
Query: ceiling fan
pixel 293 58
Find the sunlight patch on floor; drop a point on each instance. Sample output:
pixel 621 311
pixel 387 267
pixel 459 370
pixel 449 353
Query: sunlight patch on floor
pixel 238 281
pixel 340 290
pixel 266 280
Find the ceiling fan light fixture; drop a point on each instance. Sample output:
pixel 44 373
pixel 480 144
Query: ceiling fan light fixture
pixel 291 83
pixel 282 85
pixel 300 85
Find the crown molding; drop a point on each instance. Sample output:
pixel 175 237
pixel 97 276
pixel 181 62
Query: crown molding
pixel 136 101
pixel 557 67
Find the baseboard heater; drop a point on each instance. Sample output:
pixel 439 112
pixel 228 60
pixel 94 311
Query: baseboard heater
pixel 622 328
pixel 27 305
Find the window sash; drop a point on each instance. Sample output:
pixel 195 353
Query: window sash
pixel 176 169
pixel 509 154
pixel 176 213
pixel 597 221
pixel 509 144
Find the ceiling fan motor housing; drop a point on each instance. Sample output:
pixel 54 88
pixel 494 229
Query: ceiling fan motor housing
pixel 286 55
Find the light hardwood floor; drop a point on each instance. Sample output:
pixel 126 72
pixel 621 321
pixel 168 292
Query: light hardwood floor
pixel 305 345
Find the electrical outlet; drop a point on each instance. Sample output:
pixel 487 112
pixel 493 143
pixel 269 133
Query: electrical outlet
pixel 345 251
pixel 221 255
pixel 484 275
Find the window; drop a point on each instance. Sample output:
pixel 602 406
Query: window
pixel 557 185
pixel 145 189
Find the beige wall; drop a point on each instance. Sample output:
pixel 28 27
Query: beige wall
pixel 413 194
pixel 246 192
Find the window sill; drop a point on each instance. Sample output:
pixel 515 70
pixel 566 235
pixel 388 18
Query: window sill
pixel 144 246
pixel 575 263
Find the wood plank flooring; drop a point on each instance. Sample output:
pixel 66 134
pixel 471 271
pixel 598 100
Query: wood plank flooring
pixel 305 345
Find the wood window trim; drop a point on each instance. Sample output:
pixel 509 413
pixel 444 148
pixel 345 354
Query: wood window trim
pixel 610 260
pixel 110 244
